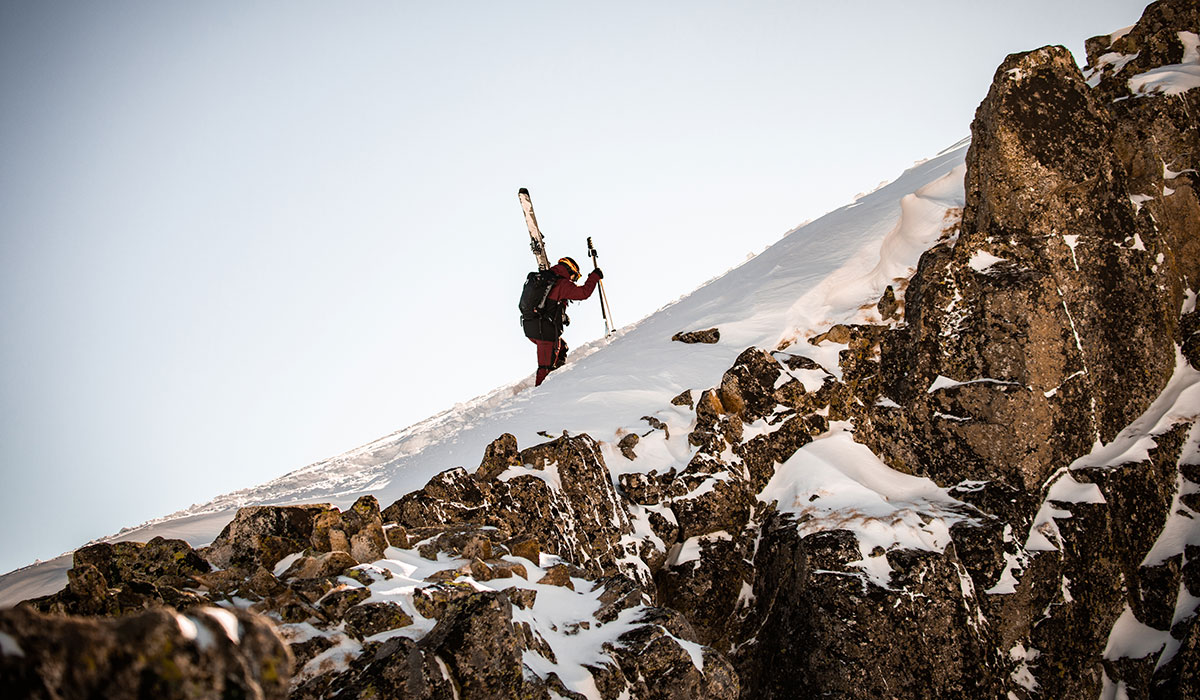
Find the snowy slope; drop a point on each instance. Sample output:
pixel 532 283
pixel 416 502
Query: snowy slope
pixel 829 271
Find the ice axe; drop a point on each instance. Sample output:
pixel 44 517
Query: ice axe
pixel 604 310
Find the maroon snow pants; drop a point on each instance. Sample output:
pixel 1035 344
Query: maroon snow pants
pixel 551 354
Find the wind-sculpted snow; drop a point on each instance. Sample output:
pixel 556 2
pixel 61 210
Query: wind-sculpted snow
pixel 835 483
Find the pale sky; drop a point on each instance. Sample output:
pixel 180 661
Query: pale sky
pixel 240 237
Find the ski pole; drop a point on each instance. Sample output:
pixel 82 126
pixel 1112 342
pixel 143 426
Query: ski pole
pixel 605 312
pixel 608 324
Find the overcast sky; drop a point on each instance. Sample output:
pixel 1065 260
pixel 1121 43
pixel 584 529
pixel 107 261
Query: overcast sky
pixel 240 237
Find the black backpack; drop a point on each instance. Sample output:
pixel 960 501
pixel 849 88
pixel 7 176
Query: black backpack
pixel 542 318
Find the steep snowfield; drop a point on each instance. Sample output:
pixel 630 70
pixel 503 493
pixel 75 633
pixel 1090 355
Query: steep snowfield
pixel 828 271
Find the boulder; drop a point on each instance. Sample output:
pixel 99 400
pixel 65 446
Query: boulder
pixel 477 640
pixel 526 547
pixel 338 601
pixel 308 649
pixel 397 536
pixel 683 399
pixel 396 668
pixel 501 454
pixel 838 335
pixel 367 574
pixel 262 535
pixel 888 307
pixel 357 531
pixel 203 653
pixel 708 336
pixel 748 387
pixel 557 575
pixel 452 496
pixel 432 601
pixel 121 577
pixel 321 566
pixel 619 593
pixel 627 444
pixel 761 453
pixel 704 503
pixel 468 541
pixel 645 488
pixel 368 619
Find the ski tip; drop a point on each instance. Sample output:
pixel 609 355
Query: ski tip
pixel 523 191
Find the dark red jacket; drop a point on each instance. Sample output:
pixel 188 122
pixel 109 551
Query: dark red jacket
pixel 566 290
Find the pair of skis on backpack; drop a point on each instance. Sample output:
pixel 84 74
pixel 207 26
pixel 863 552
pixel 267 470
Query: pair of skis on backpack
pixel 538 284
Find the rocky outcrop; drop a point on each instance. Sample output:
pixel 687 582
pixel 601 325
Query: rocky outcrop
pixel 479 650
pixel 657 659
pixel 1054 286
pixel 474 651
pixel 1154 134
pixel 124 577
pixel 706 515
pixel 552 506
pixel 999 378
pixel 1046 328
pixel 262 535
pixel 357 531
pixel 202 653
pixel 558 493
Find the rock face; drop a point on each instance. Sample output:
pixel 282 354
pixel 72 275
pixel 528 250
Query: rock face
pixel 204 653
pixel 818 624
pixel 1154 134
pixel 1054 286
pixel 1044 327
pixel 1020 395
pixel 262 535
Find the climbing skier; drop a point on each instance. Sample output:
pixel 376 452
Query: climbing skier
pixel 545 331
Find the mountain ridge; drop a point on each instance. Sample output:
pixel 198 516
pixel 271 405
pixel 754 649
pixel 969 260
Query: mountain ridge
pixel 946 445
pixel 353 460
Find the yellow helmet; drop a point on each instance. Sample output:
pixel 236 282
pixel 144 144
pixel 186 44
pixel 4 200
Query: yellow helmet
pixel 572 266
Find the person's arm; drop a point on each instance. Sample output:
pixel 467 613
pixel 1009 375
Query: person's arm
pixel 583 291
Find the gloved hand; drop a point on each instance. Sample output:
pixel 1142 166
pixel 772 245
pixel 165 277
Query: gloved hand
pixel 598 273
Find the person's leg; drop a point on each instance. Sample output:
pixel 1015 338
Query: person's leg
pixel 545 358
pixel 560 354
